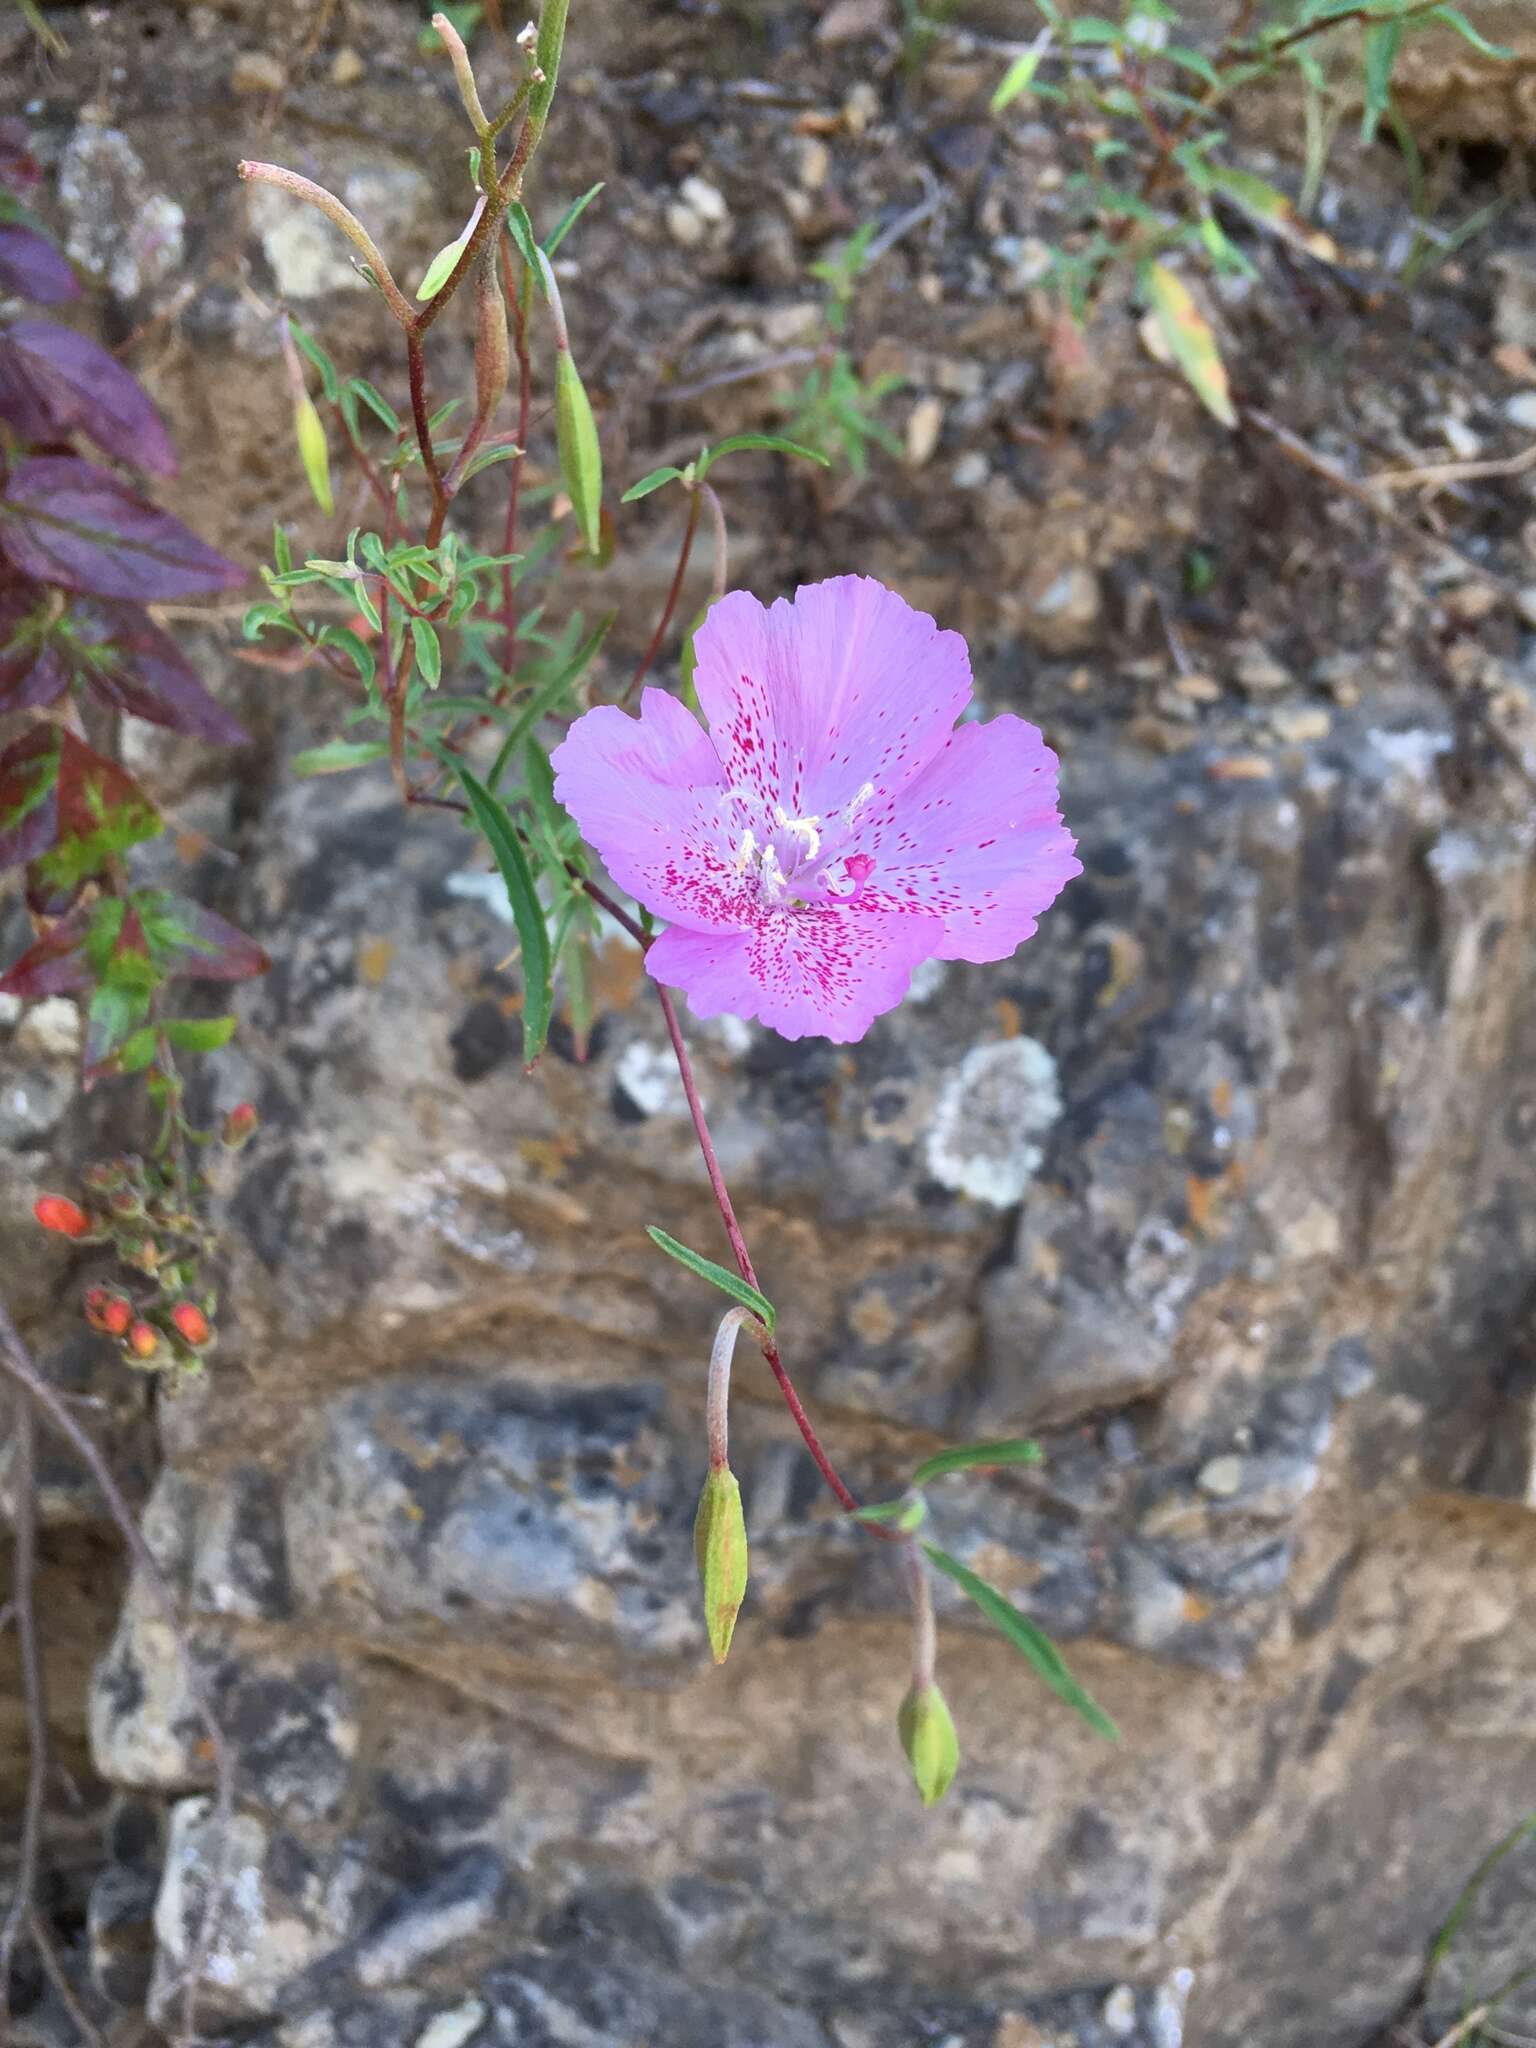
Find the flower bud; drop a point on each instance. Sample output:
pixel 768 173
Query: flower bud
pixel 313 452
pixel 240 1125
pixel 581 456
pixel 143 1340
pixel 720 1545
pixel 56 1212
pixel 111 1313
pixel 493 353
pixel 192 1326
pixel 929 1739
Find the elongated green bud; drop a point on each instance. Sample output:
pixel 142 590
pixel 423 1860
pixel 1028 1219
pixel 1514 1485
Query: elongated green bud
pixel 720 1545
pixel 581 458
pixel 929 1739
pixel 313 452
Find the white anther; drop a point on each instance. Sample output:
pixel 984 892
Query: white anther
pixel 799 828
pixel 745 851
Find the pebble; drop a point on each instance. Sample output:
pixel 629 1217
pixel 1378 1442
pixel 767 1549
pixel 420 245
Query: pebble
pixel 1520 410
pixel 51 1030
pixel 256 71
pixel 860 107
pixel 925 423
pixel 815 163
pixel 1297 728
pixel 1199 689
pixel 1525 604
pixel 1119 2012
pixel 1258 672
pixel 1460 439
pixel 846 20
pixel 1221 1477
pixel 971 471
pixel 346 66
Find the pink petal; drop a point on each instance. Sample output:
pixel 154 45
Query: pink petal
pixel 810 701
pixel 822 973
pixel 977 839
pixel 646 793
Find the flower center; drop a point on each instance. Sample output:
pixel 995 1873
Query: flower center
pixel 793 862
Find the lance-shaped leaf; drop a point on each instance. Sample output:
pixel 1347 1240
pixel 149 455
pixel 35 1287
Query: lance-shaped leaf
pixel 906 1513
pixel 775 443
pixel 717 1276
pixel 527 911
pixel 72 385
pixel 29 773
pixel 99 811
pixel 928 1736
pixel 1014 1450
pixel 33 267
pixel 1031 1642
pixel 581 456
pixel 65 521
pixel 1187 334
pixel 191 943
pixel 720 1545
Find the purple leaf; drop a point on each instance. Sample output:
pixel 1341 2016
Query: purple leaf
pixel 118 651
pixel 31 671
pixel 32 268
pixel 65 521
pixel 29 808
pixel 65 379
pixel 56 966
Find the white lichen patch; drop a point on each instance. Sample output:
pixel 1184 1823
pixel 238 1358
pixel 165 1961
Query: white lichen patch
pixel 991 1113
pixel 648 1076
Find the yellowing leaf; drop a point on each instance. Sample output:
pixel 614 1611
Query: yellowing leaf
pixel 1181 324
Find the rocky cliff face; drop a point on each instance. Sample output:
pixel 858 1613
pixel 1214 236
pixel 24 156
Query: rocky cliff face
pixel 1224 1187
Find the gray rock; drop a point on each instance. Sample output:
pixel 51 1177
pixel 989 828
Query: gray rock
pixel 442 1908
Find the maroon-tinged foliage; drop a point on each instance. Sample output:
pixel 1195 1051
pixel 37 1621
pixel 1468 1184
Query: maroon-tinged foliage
pixel 54 382
pixel 56 965
pixel 28 811
pixel 187 941
pixel 111 648
pixel 68 522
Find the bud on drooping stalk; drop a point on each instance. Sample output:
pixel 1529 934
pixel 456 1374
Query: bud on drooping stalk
pixel 928 1737
pixel 192 1326
pixel 58 1213
pixel 110 1313
pixel 143 1340
pixel 313 452
pixel 580 451
pixel 720 1545
pixel 239 1126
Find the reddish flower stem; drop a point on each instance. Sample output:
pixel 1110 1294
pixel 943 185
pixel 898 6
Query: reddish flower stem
pixel 695 507
pixel 743 1257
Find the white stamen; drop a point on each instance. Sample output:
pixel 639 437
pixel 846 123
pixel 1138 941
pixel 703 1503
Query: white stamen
pixel 745 851
pixel 801 828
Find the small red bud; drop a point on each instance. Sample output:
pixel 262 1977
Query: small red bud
pixel 108 1312
pixel 56 1212
pixel 143 1339
pixel 240 1125
pixel 191 1324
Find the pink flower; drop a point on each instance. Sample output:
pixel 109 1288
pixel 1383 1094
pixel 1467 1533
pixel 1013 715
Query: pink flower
pixel 833 827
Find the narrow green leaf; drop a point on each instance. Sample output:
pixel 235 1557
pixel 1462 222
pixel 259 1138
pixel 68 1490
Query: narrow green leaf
pixel 199 1034
pixel 429 654
pixel 775 442
pixel 1017 79
pixel 282 553
pixel 720 1546
pixel 351 644
pixel 317 355
pixel 1454 18
pixel 520 228
pixel 527 911
pixel 260 616
pixel 1032 1643
pixel 380 407
pixel 136 1052
pixel 581 455
pixel 927 1732
pixel 569 219
pixel 441 268
pixel 651 481
pixel 908 1513
pixel 1382 43
pixel 1015 1450
pixel 728 1283
pixel 547 697
pixel 338 755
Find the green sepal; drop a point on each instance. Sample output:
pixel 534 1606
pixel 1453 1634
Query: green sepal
pixel 927 1732
pixel 720 1545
